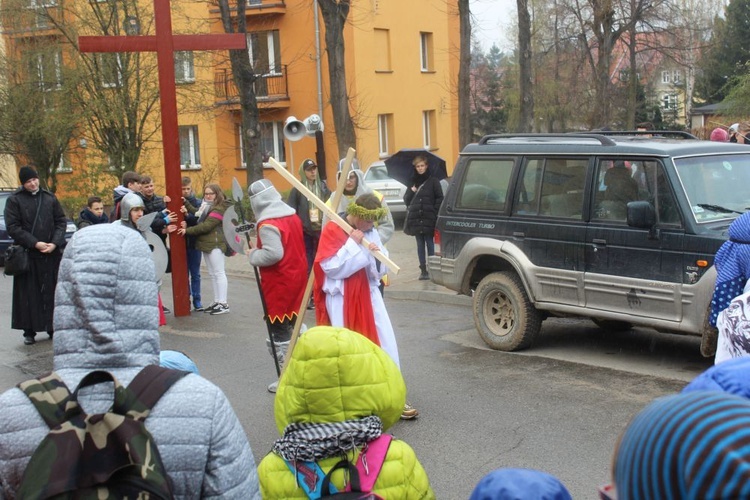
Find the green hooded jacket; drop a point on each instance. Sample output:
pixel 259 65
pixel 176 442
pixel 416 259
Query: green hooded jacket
pixel 333 375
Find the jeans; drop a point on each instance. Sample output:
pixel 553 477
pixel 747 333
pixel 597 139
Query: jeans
pixel 194 269
pixel 425 240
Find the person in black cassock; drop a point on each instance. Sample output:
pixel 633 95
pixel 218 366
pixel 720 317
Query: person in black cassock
pixel 34 291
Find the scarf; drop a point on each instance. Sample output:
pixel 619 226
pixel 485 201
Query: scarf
pixel 203 211
pixel 419 179
pixel 310 442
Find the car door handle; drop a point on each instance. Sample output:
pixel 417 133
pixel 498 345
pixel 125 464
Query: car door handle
pixel 596 241
pixel 519 235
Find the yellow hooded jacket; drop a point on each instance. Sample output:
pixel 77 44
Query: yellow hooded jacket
pixel 333 375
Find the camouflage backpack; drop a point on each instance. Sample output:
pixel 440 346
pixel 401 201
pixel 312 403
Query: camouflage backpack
pixel 101 456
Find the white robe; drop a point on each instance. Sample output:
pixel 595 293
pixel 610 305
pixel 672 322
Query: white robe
pixel 349 259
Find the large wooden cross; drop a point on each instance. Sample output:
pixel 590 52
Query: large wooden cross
pixel 164 43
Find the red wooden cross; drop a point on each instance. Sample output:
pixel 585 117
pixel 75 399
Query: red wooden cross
pixel 164 43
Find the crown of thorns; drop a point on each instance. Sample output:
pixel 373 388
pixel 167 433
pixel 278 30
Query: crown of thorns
pixel 371 214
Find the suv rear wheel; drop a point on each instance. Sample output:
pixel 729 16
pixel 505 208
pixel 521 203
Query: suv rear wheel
pixel 505 317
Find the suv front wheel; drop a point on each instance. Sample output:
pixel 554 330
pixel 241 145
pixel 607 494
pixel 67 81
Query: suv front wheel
pixel 504 315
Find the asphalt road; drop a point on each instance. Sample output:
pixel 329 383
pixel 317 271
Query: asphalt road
pixel 558 407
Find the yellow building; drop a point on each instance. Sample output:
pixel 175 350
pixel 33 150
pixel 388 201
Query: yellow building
pixel 402 69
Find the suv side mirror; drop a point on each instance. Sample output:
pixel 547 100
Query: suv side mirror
pixel 641 214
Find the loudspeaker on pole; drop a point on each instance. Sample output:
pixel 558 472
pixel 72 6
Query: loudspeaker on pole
pixel 294 129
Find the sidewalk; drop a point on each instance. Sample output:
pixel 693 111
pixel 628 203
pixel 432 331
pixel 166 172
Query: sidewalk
pixel 405 285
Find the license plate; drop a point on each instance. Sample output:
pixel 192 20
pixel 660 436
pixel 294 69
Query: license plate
pixel 390 192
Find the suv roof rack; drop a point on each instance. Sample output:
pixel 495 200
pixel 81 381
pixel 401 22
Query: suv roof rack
pixel 646 133
pixel 604 141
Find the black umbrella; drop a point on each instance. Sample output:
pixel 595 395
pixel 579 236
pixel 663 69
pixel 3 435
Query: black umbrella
pixel 400 166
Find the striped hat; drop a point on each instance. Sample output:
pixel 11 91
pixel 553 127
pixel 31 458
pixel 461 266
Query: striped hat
pixel 687 446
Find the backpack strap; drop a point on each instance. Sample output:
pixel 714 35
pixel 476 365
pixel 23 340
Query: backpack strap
pixel 371 459
pixel 309 477
pixel 352 485
pixel 145 390
pixel 51 398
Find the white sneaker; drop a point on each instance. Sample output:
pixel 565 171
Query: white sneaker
pixel 210 308
pixel 273 386
pixel 220 309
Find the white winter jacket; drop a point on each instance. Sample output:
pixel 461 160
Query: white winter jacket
pixel 106 318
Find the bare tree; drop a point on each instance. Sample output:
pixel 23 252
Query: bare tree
pixel 335 13
pixel 525 76
pixel 464 74
pixel 244 78
pixel 38 115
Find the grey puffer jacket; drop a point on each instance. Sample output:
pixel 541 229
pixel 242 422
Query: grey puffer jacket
pixel 106 318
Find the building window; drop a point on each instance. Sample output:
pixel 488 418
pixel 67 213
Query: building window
pixel 40 7
pixel 184 71
pixel 264 49
pixel 190 156
pixel 47 69
pixel 272 142
pixel 669 101
pixel 385 134
pixel 428 129
pixel 666 77
pixel 426 56
pixel 677 77
pixel 383 52
pixel 110 70
pixel 64 166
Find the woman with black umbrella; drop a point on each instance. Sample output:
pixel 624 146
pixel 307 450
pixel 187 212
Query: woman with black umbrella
pixel 423 201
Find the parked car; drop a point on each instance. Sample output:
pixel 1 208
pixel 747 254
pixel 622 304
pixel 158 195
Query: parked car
pixel 5 240
pixel 393 191
pixel 618 227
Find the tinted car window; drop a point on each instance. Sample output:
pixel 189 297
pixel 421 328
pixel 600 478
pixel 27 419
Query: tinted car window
pixel 552 187
pixel 485 185
pixel 3 199
pixel 620 181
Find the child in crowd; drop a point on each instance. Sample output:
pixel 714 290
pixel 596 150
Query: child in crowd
pixel 280 256
pixel 519 484
pixel 92 214
pixel 347 277
pixel 130 183
pixel 209 239
pixel 193 254
pixel 338 395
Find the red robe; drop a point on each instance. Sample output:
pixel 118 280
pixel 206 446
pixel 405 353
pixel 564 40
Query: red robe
pixel 284 283
pixel 358 315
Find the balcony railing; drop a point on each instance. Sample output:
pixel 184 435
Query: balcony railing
pixel 268 86
pixel 265 7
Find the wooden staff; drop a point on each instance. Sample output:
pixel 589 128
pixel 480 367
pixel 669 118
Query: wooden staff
pixel 332 215
pixel 311 279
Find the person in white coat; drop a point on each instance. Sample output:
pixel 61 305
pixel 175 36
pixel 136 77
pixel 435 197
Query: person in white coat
pixel 347 277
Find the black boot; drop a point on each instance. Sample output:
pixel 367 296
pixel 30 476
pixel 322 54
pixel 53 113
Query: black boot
pixel 423 276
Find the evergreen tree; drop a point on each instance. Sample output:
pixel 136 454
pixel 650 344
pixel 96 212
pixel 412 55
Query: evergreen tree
pixel 730 50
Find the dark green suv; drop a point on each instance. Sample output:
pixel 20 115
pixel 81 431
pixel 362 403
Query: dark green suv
pixel 621 228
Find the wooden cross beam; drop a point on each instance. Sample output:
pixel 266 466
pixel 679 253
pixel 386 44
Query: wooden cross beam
pixel 164 43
